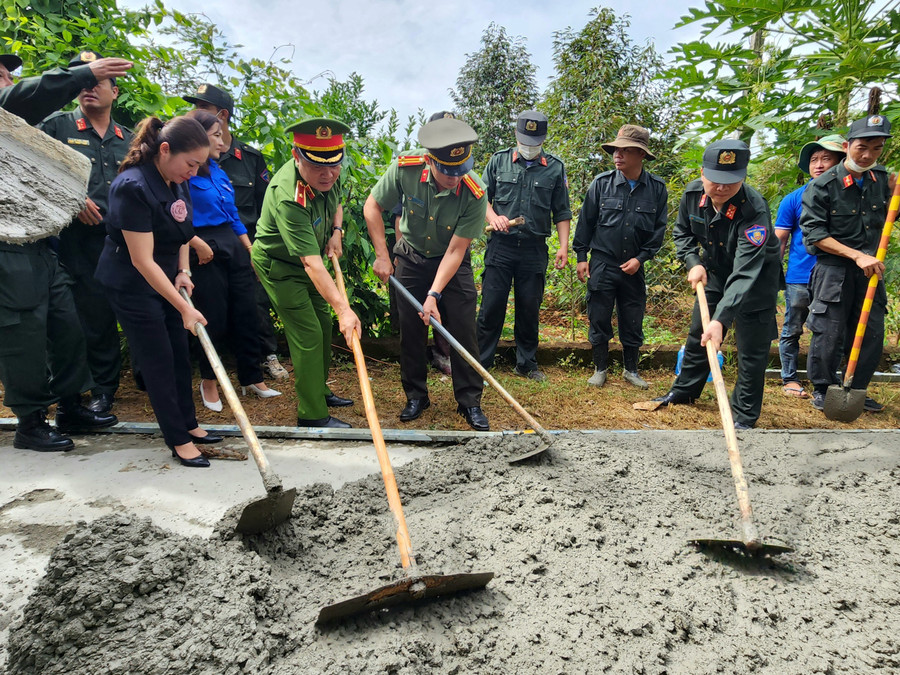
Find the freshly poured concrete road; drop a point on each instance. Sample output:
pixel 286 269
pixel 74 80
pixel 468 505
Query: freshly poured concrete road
pixel 43 495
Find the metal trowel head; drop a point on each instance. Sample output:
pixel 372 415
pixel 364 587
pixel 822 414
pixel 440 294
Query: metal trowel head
pixel 264 514
pixel 755 548
pixel 844 404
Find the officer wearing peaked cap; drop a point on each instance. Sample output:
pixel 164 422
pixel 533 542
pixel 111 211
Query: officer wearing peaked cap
pixel 522 181
pixel 444 205
pixel 844 211
pixel 302 223
pixel 725 239
pixel 91 130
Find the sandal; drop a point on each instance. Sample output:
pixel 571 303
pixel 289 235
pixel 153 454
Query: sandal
pixel 795 389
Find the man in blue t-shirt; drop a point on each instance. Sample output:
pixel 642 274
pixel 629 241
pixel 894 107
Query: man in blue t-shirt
pixel 815 159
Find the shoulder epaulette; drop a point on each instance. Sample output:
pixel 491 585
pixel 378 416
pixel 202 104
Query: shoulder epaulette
pixel 473 186
pixel 410 160
pixel 606 173
pixel 653 176
pixel 248 148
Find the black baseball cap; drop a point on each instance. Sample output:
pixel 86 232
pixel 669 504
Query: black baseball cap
pixel 873 126
pixel 442 114
pixel 85 57
pixel 726 161
pixel 210 93
pixel 11 61
pixel 531 127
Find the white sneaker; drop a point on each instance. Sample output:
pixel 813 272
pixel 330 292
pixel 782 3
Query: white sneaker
pixel 273 369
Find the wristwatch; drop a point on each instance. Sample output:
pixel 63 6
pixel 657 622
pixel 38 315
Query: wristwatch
pixel 435 295
pixel 185 271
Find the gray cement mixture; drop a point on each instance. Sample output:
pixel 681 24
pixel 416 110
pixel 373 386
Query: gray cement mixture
pixel 593 572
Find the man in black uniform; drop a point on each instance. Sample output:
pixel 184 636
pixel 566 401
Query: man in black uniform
pixel 246 169
pixel 622 224
pixel 725 239
pixel 39 326
pixel 843 215
pixel 90 130
pixel 521 181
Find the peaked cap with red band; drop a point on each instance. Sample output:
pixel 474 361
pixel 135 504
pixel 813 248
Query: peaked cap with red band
pixel 320 140
pixel 449 144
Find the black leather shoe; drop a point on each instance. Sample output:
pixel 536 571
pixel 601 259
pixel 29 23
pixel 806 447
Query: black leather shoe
pixel 209 439
pixel 79 420
pixel 741 426
pixel 33 433
pixel 335 401
pixel 475 417
pixel 331 422
pixel 674 399
pixel 198 462
pixel 101 403
pixel 414 409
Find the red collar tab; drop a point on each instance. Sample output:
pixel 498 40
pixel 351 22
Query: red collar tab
pixel 702 200
pixel 732 209
pixel 237 154
pixel 80 124
pixel 303 191
pixel 543 161
pixel 118 131
pixel 424 178
pixel 515 156
pixel 848 180
pixel 872 176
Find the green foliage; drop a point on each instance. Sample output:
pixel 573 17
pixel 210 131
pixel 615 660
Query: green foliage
pixel 494 85
pixel 604 80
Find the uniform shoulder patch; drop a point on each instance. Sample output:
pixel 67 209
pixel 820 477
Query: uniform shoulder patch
pixel 653 176
pixel 473 186
pixel 756 234
pixel 410 160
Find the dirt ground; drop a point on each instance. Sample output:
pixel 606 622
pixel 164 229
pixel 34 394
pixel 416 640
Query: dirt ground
pixel 593 571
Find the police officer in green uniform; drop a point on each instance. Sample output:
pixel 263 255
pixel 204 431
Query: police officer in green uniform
pixel 725 239
pixel 529 182
pixel 444 206
pixel 843 214
pixel 39 327
pixel 246 169
pixel 302 222
pixel 90 130
pixel 622 225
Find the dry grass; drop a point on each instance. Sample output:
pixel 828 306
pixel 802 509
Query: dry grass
pixel 564 401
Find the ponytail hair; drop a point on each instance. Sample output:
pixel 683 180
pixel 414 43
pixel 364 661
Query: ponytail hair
pixel 181 133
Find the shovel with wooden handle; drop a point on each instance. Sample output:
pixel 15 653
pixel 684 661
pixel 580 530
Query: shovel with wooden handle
pixel 275 508
pixel 414 587
pixel 749 541
pixel 841 402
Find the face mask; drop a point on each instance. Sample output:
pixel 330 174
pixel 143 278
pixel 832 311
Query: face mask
pixel 856 168
pixel 529 152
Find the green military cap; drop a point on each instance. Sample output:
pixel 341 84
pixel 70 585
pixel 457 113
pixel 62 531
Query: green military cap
pixel 320 140
pixel 210 93
pixel 449 144
pixel 873 126
pixel 11 61
pixel 833 143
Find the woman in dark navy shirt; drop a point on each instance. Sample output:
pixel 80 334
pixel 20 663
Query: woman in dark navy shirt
pixel 144 263
pixel 223 277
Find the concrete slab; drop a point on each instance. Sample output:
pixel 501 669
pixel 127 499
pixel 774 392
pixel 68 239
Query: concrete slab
pixel 43 495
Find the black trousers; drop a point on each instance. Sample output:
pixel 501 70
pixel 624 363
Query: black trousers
pixel 42 352
pixel 609 287
pixel 79 251
pixel 512 262
pixel 836 298
pixel 225 292
pixel 457 308
pixel 755 332
pixel 159 343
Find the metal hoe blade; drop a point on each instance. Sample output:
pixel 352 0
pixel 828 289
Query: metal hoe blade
pixel 844 404
pixel 407 590
pixel 756 548
pixel 261 515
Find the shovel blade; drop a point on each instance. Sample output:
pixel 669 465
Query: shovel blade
pixel 844 404
pixel 540 450
pixel 267 513
pixel 412 589
pixel 756 548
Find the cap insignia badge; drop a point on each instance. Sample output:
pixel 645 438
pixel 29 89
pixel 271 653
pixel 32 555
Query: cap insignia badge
pixel 323 132
pixel 530 125
pixel 87 57
pixel 727 157
pixel 458 152
pixel 448 116
pixel 874 121
pixel 201 89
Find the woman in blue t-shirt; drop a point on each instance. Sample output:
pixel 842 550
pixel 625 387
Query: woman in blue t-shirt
pixel 223 277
